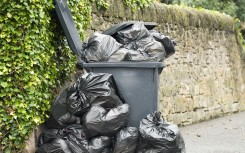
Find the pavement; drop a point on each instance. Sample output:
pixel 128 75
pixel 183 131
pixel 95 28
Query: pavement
pixel 221 135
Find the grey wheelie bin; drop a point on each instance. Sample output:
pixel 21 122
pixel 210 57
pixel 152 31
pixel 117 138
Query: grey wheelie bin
pixel 137 82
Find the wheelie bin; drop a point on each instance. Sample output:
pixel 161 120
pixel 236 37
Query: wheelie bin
pixel 137 82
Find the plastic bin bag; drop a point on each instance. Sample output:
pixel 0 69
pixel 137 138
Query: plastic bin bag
pixel 152 48
pixel 75 138
pixel 101 144
pixel 60 116
pixel 126 140
pixel 54 146
pixel 166 41
pixel 123 54
pixel 106 122
pixel 47 136
pixel 130 36
pixel 137 37
pixel 77 102
pixel 100 47
pixel 72 135
pixel 93 89
pixel 158 136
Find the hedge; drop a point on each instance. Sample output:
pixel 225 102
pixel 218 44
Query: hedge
pixel 34 61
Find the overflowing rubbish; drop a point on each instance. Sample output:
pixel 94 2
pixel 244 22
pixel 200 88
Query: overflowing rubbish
pixel 54 146
pixel 99 120
pixel 91 116
pixel 92 89
pixel 126 140
pixel 158 136
pixel 138 38
pixel 133 43
pixel 69 139
pixel 60 116
pixel 166 42
pixel 102 125
pixel 100 47
pixel 101 144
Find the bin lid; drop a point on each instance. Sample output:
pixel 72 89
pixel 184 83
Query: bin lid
pixel 65 17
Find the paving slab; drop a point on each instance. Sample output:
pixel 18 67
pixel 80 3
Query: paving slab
pixel 221 135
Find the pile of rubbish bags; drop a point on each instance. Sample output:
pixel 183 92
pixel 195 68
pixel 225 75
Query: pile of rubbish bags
pixel 91 117
pixel 134 43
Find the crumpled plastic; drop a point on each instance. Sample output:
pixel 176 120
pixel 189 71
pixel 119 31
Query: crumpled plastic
pixel 100 121
pixel 92 89
pixel 73 137
pixel 60 117
pixel 126 140
pixel 101 144
pixel 166 42
pixel 100 47
pixel 123 54
pixel 47 136
pixel 54 146
pixel 138 38
pixel 158 136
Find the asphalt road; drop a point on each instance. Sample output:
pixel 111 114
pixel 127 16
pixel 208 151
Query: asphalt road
pixel 221 135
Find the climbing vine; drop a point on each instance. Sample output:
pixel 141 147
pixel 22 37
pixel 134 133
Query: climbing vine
pixel 137 4
pixel 34 61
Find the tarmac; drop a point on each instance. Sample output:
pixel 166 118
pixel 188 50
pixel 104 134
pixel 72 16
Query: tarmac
pixel 220 135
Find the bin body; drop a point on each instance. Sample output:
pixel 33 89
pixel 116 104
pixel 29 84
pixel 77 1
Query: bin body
pixel 137 83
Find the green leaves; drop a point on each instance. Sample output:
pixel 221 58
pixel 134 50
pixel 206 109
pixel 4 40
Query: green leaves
pixel 4 84
pixel 137 4
pixel 30 68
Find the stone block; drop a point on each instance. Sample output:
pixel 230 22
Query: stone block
pixel 30 145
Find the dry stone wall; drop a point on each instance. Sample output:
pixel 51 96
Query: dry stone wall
pixel 204 78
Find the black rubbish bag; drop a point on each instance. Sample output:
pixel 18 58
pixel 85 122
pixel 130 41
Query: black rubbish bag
pixel 93 89
pixel 54 146
pixel 126 140
pixel 137 56
pixel 105 122
pixel 101 144
pixel 152 48
pixel 60 116
pixel 47 136
pixel 77 102
pixel 123 54
pixel 137 37
pixel 181 143
pixel 158 136
pixel 166 41
pixel 129 37
pixel 100 47
pixel 73 136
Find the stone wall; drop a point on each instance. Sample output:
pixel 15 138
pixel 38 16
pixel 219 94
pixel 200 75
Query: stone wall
pixel 205 77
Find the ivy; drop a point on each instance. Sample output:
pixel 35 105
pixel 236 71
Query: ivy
pixel 101 3
pixel 34 60
pixel 137 4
